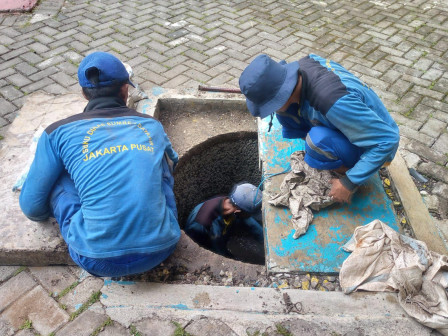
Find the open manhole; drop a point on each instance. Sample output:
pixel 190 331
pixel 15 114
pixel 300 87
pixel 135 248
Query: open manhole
pixel 218 147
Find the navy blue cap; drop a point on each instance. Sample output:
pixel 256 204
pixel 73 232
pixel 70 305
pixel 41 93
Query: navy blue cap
pixel 111 70
pixel 267 84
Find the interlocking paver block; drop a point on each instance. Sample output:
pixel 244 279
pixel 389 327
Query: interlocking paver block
pixel 6 107
pixel 25 332
pixel 434 128
pixel 209 327
pixel 413 134
pixel 437 172
pixel 81 293
pixel 6 272
pixel 441 144
pixel 5 328
pixel 176 81
pixel 54 279
pixel 41 84
pixel 18 80
pixel 63 79
pixel 38 307
pixel 156 327
pixel 115 329
pixel 83 325
pixel 31 57
pixel 11 290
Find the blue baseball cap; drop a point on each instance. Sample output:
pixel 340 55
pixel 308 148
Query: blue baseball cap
pixel 267 84
pixel 111 70
pixel 247 197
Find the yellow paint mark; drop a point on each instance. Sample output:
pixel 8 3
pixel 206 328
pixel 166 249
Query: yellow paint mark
pixel 284 285
pixel 305 285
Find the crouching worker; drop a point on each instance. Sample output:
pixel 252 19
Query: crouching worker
pixel 104 176
pixel 346 126
pixel 230 225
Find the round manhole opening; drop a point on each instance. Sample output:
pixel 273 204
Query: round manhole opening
pixel 212 168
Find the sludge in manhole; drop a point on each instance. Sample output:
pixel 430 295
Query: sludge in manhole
pixel 211 169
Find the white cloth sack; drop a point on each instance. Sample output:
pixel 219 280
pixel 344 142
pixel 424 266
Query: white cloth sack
pixel 303 189
pixel 384 260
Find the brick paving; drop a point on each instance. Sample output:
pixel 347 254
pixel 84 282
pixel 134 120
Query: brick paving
pixel 399 48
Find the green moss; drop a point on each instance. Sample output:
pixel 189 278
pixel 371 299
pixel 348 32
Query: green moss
pixel 134 331
pixel 409 112
pixel 68 289
pixel 282 330
pixel 26 325
pixel 101 327
pixel 20 269
pixel 93 298
pixel 179 330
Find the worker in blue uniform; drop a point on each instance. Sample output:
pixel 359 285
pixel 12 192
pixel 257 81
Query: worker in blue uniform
pixel 345 125
pixel 105 175
pixel 218 223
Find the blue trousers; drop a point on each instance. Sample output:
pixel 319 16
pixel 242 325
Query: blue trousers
pixel 65 202
pixel 327 149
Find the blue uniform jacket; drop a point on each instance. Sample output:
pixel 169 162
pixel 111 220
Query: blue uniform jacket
pixel 114 156
pixel 207 226
pixel 333 97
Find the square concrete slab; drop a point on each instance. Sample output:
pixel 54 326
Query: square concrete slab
pixel 23 242
pixel 319 249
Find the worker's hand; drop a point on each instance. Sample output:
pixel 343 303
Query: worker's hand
pixel 339 192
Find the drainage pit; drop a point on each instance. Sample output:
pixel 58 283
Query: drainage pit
pixel 212 168
pixel 217 142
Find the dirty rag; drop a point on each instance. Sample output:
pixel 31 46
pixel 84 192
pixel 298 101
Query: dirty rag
pixel 304 189
pixel 383 260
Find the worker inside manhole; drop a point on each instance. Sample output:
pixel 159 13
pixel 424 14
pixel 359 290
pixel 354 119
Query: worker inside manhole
pixel 217 195
pixel 230 225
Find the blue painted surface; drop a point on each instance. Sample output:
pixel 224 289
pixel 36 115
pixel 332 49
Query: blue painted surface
pixel 157 90
pixel 146 107
pixel 319 249
pixel 107 282
pixel 180 306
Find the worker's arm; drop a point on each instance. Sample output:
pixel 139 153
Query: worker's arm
pixel 43 173
pixel 365 129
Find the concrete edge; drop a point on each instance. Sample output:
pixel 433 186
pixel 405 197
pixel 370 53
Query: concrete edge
pixel 242 307
pixel 149 105
pixel 416 211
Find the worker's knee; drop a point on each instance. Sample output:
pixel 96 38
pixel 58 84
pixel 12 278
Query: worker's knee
pixel 329 149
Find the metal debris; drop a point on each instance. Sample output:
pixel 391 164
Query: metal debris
pixel 290 306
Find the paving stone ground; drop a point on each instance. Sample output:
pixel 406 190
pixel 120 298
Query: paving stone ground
pixel 399 48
